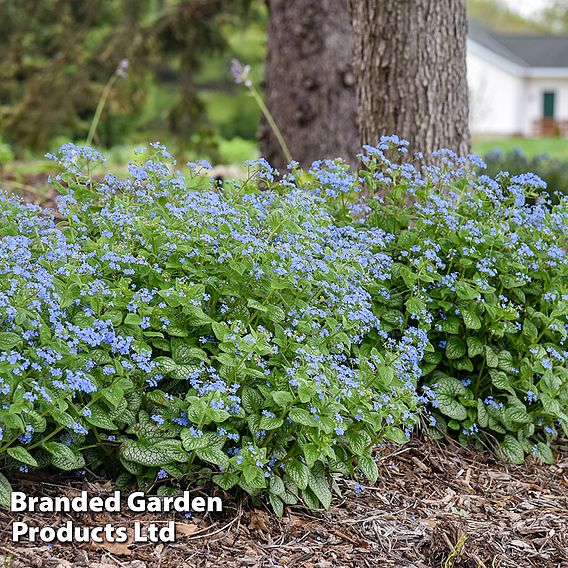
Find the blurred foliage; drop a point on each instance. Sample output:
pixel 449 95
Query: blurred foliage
pixel 555 16
pixel 57 56
pixel 501 17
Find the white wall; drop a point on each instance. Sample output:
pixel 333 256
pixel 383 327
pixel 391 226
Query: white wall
pixel 496 97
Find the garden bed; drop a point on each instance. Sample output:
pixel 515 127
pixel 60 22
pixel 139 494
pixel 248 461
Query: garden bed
pixel 430 496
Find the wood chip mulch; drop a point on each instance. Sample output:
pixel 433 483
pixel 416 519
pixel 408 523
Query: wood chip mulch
pixel 436 504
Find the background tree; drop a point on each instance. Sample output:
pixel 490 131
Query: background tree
pixel 410 68
pixel 309 82
pixel 497 15
pixel 555 17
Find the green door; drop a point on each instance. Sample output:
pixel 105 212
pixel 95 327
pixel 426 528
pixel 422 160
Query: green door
pixel 548 105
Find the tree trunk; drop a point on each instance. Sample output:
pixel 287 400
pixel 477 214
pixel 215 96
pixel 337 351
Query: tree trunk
pixel 409 59
pixel 309 82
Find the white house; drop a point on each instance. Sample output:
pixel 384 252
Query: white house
pixel 518 84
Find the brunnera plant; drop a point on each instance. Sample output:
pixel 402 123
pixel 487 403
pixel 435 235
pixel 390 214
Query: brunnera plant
pixel 481 265
pixel 165 329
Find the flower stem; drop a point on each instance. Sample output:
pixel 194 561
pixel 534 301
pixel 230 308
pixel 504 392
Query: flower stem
pixel 272 123
pixel 99 109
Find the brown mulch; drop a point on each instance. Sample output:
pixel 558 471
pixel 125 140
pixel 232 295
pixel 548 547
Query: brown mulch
pixel 435 505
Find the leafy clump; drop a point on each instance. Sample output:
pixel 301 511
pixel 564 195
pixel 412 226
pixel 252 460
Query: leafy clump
pixel 481 265
pixel 167 328
pixel 269 333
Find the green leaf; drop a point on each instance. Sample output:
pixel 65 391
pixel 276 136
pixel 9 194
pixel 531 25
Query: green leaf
pixel 251 399
pixel 190 442
pixel 492 424
pixel 511 450
pixel 359 441
pixel 153 455
pixel 221 330
pixel 22 455
pixel 395 435
pixel 471 320
pixel 62 418
pixel 298 473
pixel 100 357
pixel 501 381
pixel 113 395
pixel 431 357
pixel 226 481
pixel 530 330
pixel 282 398
pixel 268 423
pixel 226 359
pixel 311 453
pixel 196 316
pixel 309 499
pixel 254 477
pixel 415 306
pixel 36 420
pixel 451 325
pixel 133 319
pixel 455 347
pixel 394 317
pixel 9 340
pixel 518 415
pixel 276 485
pixel 5 492
pixel 100 418
pixel 482 417
pixel 447 390
pixel 277 504
pixel 184 352
pixel 178 327
pixel 474 347
pixel 115 317
pixel 166 365
pixel 63 457
pixel 491 357
pixel 213 455
pixel 184 372
pixel 544 452
pixel 505 362
pixel 369 467
pixel 466 292
pixel 275 313
pixel 302 416
pixel 463 364
pixel 318 482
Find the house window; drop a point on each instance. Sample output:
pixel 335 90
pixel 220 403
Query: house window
pixel 548 104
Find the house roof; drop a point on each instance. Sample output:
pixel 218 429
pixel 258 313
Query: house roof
pixel 550 51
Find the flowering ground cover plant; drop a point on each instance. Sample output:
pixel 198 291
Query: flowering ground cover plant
pixel 166 328
pixel 265 334
pixel 481 265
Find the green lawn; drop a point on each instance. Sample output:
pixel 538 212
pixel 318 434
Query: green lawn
pixel 557 147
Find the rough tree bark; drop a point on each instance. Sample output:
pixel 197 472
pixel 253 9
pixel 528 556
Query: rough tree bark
pixel 309 84
pixel 409 59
